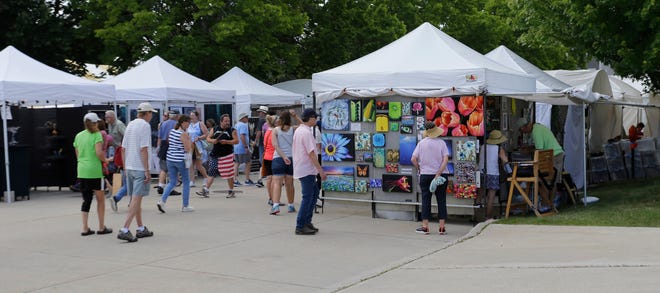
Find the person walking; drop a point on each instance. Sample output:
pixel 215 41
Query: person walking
pixel 90 156
pixel 305 168
pixel 116 128
pixel 241 149
pixel 163 134
pixel 198 132
pixel 430 158
pixel 221 157
pixel 269 150
pixel 282 166
pixel 179 150
pixel 260 139
pixel 137 151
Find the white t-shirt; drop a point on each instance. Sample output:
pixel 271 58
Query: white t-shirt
pixel 137 136
pixel 493 156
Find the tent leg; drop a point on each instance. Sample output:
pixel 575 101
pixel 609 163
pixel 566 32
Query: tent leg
pixel 8 198
pixel 584 153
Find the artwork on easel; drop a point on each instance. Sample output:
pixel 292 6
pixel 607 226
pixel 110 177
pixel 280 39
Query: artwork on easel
pixel 392 155
pixel 394 111
pixel 369 110
pixel 338 147
pixel 363 141
pixel 362 170
pixel 335 115
pixel 394 126
pixel 356 110
pixel 361 186
pixel 397 183
pixel 407 146
pixel 339 179
pixel 379 158
pixel 406 108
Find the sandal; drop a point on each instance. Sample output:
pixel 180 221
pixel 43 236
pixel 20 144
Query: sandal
pixel 105 230
pixel 442 231
pixel 89 232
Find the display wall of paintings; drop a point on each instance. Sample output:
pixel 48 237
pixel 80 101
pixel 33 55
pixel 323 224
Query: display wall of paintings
pixel 457 116
pixel 464 167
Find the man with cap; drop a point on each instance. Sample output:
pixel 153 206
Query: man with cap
pixel 163 134
pixel 305 168
pixel 544 139
pixel 137 151
pixel 258 137
pixel 430 158
pixel 241 150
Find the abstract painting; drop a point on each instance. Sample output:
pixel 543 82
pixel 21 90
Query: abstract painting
pixel 378 139
pixel 406 129
pixel 340 179
pixel 375 183
pixel 417 108
pixel 450 168
pixel 419 121
pixel 356 111
pixel 465 172
pixel 408 120
pixel 361 186
pixel 392 168
pixel 465 191
pixel 379 157
pixel 392 155
pixel 335 115
pixel 407 145
pixel 362 170
pixel 369 110
pixel 397 183
pixel 338 147
pixel 382 123
pixel 457 116
pixel 363 141
pixel 394 111
pixel 466 150
pixel 450 148
pixel 359 157
pixel 406 108
pixel 382 105
pixel 394 126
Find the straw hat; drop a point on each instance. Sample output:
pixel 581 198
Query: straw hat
pixel 432 131
pixel 496 137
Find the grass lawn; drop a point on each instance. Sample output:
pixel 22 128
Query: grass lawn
pixel 634 203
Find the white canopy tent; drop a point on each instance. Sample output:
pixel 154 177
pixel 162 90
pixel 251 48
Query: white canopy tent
pixel 426 62
pixel 299 86
pixel 251 91
pixel 158 80
pixel 26 81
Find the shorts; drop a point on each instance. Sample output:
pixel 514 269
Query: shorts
pixel 279 168
pixel 91 184
pixel 162 164
pixel 493 182
pixel 242 158
pixel 266 168
pixel 223 167
pixel 135 184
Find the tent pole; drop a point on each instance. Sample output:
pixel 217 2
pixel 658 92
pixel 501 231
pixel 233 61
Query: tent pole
pixel 584 152
pixel 8 198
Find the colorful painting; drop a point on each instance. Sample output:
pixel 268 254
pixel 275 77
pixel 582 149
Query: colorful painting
pixel 465 172
pixel 335 115
pixel 406 130
pixel 393 155
pixel 392 168
pixel 339 179
pixel 378 139
pixel 338 147
pixel 417 108
pixel 457 116
pixel 379 157
pixel 362 170
pixel 450 147
pixel 465 191
pixel 419 121
pixel 394 126
pixel 369 110
pixel 382 123
pixel 363 141
pixel 356 111
pixel 361 186
pixel 375 183
pixel 408 120
pixel 466 150
pixel 450 168
pixel 397 183
pixel 407 145
pixel 359 157
pixel 382 105
pixel 368 157
pixel 406 108
pixel 394 111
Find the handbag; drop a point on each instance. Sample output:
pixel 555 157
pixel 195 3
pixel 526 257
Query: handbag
pixel 206 145
pixel 188 159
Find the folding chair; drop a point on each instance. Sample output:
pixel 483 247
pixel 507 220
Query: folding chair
pixel 542 172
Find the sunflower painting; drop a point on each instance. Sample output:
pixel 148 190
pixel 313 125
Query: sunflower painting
pixel 338 147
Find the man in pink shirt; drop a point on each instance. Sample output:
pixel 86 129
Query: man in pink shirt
pixel 305 168
pixel 430 158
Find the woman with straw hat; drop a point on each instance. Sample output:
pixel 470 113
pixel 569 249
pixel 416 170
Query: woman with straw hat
pixel 430 158
pixel 493 152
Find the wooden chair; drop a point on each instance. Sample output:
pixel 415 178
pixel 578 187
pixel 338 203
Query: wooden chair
pixel 542 173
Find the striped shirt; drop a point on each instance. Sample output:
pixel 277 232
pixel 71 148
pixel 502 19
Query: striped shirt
pixel 175 151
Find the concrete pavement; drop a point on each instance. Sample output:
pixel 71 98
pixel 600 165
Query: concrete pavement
pixel 234 245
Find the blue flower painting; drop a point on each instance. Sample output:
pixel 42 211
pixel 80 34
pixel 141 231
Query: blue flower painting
pixel 338 147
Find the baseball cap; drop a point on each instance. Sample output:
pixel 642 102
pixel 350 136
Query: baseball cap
pixel 174 112
pixel 263 109
pixel 91 116
pixel 309 113
pixel 146 107
pixel 242 115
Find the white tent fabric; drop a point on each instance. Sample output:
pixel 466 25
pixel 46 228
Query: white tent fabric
pixel 299 86
pixel 23 79
pixel 158 80
pixel 425 62
pixel 251 91
pixel 574 154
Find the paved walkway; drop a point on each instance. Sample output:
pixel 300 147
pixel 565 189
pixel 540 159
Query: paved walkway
pixel 233 245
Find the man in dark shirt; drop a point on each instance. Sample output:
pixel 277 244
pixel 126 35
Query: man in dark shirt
pixel 221 158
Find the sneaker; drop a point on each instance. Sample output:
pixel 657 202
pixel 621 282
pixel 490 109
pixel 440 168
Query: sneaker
pixel 311 226
pixel 249 182
pixel 113 203
pixel 159 189
pixel 275 210
pixel 161 206
pixel 143 233
pixel 237 183
pixel 174 192
pixel 231 194
pixel 423 230
pixel 75 187
pixel 126 236
pixel 292 209
pixel 187 209
pixel 305 231
pixel 259 184
pixel 270 202
pixel 192 184
pixel 442 231
pixel 204 193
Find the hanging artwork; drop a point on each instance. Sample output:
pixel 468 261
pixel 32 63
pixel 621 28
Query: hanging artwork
pixel 466 150
pixel 335 115
pixel 394 126
pixel 369 110
pixel 450 168
pixel 338 147
pixel 363 141
pixel 382 123
pixel 362 170
pixel 406 108
pixel 393 155
pixel 359 157
pixel 465 191
pixel 417 108
pixel 378 139
pixel 450 147
pixel 406 129
pixel 394 111
pixel 361 186
pixel 392 168
pixel 340 178
pixel 419 121
pixel 356 110
pixel 382 105
pixel 368 157
pixel 375 183
pixel 379 157
pixel 397 183
pixel 465 172
pixel 457 116
pixel 408 120
pixel 407 145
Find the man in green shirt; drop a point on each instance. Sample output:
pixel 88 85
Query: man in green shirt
pixel 544 139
